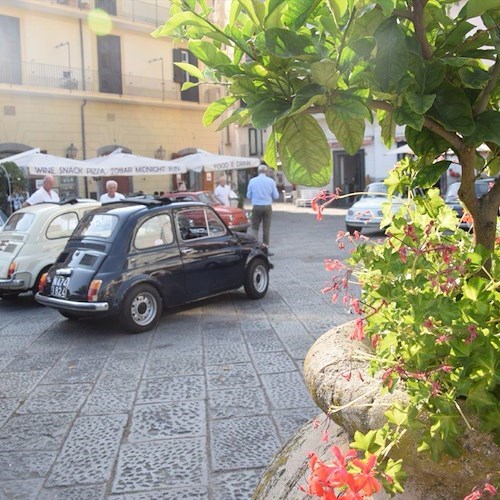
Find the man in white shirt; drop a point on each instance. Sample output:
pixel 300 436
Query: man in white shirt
pixel 224 192
pixel 44 194
pixel 112 193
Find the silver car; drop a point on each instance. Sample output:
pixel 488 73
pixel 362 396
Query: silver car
pixel 32 239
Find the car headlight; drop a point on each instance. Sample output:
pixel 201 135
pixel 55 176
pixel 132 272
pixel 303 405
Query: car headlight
pixel 350 212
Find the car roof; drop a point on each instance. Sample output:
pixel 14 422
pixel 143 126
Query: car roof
pixel 49 206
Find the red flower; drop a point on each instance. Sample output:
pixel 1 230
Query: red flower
pixel 365 481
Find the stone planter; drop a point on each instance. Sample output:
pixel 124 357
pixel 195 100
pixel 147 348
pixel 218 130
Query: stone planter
pixel 326 366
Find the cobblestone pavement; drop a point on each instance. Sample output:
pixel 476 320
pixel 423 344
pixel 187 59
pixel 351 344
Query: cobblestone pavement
pixel 194 409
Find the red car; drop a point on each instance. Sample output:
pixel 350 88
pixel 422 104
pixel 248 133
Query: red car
pixel 235 218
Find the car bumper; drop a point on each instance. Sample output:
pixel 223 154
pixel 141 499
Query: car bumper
pixel 12 284
pixel 374 222
pixel 71 305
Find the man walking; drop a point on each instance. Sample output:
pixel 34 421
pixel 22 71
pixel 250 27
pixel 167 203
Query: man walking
pixel 112 193
pixel 261 192
pixel 43 194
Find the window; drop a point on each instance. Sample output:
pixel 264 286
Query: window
pixel 180 76
pixel 155 231
pixel 10 55
pixel 199 223
pixel 62 226
pixel 255 142
pixel 110 65
pixel 98 225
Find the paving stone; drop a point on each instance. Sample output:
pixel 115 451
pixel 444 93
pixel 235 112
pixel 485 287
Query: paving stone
pixel 14 344
pixel 264 341
pixel 133 343
pixel 289 421
pixel 231 375
pixel 251 326
pixel 192 492
pixel 118 381
pixel 18 384
pixel 25 465
pixel 103 402
pixel 75 371
pixel 7 407
pixel 125 361
pixel 5 361
pixel 167 365
pixel 20 490
pixel 227 353
pixel 161 464
pixel 63 398
pixel 35 432
pixel 273 362
pixel 232 442
pixel 27 361
pixel 172 389
pixel 94 492
pixel 286 390
pixel 152 422
pixel 89 452
pixel 238 485
pixel 232 403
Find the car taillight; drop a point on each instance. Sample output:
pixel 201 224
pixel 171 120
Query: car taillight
pixel 41 283
pixel 12 269
pixel 93 290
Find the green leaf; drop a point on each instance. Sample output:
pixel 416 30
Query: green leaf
pixel 306 97
pixel 474 8
pixel 304 152
pixel 487 128
pixel 191 69
pixel 268 111
pixel 473 288
pixel 185 18
pixel 388 126
pixel 387 6
pixel 392 56
pixel 365 441
pixel 189 85
pixel 240 116
pixel 338 9
pixel 270 153
pixel 253 11
pixel 350 133
pixel 433 76
pixel 325 73
pixel 208 53
pixel 216 109
pixel 425 142
pixel 406 116
pixel 284 43
pixel 297 12
pixel 419 103
pixel 429 175
pixel 347 107
pixel 452 109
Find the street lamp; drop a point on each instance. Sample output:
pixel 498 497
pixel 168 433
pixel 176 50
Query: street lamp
pixel 162 76
pixel 160 153
pixel 71 151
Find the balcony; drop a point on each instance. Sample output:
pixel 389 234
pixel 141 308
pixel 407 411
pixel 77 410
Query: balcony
pixel 152 12
pixel 48 76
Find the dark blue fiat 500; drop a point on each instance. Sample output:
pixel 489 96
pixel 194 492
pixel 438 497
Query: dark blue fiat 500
pixel 133 258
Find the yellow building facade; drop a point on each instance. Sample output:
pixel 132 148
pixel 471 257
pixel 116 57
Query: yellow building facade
pixel 79 82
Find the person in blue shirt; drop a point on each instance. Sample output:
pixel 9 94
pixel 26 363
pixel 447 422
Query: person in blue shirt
pixel 261 192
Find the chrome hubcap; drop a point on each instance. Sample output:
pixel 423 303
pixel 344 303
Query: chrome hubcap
pixel 143 309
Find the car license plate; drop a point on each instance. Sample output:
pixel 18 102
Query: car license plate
pixel 59 287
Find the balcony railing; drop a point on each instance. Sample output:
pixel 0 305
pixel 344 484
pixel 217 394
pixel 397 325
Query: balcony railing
pixel 154 12
pixel 35 74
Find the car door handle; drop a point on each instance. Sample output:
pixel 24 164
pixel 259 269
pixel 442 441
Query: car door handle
pixel 185 251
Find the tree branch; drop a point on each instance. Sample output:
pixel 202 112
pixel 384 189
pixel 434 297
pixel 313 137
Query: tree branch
pixel 482 102
pixel 418 23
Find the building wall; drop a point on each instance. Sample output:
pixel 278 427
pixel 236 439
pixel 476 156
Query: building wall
pixel 142 118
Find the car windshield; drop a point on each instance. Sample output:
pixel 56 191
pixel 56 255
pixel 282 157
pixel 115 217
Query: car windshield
pixel 209 199
pixel 20 222
pixel 481 187
pixel 378 190
pixel 96 225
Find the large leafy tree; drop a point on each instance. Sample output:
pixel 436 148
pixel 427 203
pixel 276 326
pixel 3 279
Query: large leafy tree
pixel 402 62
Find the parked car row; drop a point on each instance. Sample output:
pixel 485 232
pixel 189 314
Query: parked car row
pixel 129 259
pixel 367 211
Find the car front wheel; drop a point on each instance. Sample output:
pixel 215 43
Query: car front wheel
pixel 141 309
pixel 256 279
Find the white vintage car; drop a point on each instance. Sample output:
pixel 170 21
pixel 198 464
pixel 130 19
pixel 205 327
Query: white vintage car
pixel 31 240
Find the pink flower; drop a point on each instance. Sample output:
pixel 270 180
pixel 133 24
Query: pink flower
pixel 359 331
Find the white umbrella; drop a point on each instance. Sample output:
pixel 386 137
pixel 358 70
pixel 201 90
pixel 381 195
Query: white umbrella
pixel 39 163
pixel 212 162
pixel 118 163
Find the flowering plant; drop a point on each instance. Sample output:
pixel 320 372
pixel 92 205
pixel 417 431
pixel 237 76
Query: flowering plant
pixel 430 310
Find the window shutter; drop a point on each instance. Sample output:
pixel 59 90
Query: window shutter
pixel 178 73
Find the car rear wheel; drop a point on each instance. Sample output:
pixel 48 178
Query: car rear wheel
pixel 256 279
pixel 352 229
pixel 141 309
